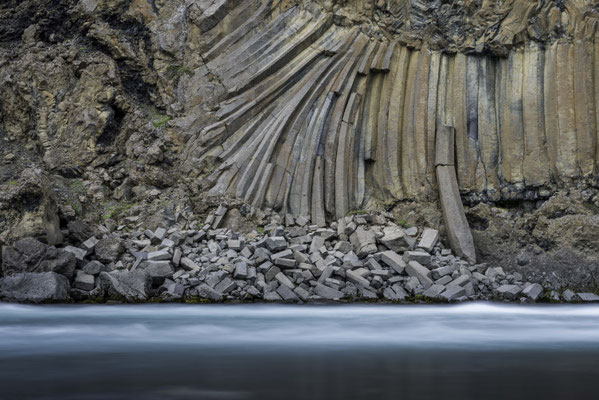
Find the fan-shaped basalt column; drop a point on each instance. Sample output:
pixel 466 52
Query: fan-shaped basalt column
pixel 317 116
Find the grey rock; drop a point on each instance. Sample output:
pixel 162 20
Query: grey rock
pixel 206 292
pixel 568 295
pixel 90 243
pixel 159 255
pixel 272 296
pixel 188 264
pixel 158 235
pixel 533 291
pixel 93 267
pixel 284 280
pixel 241 270
pixel 443 281
pixel 443 271
pixel 367 294
pixel 461 280
pixel 25 255
pixel 510 292
pixel 124 285
pixel 399 291
pixel 396 240
pixel 177 255
pixel 301 293
pixel 434 291
pixel 394 261
pixel 356 279
pixel 453 293
pixel 285 263
pixel 157 270
pixel 286 293
pixel 420 257
pixel 84 281
pixel 327 292
pixel 416 270
pixel 59 261
pixel 276 243
pixel 364 242
pixel 226 285
pixel 588 297
pixel 77 252
pixel 108 249
pixel 390 294
pixel 271 273
pixel 34 287
pixel 326 273
pixel 429 239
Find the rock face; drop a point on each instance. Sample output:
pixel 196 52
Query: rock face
pixel 131 111
pixel 344 115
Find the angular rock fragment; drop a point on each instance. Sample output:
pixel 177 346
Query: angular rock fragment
pixel 396 240
pixel 84 281
pixel 428 240
pixel 394 261
pixel 124 285
pixel 588 297
pixel 533 291
pixel 327 292
pixel 510 292
pixel 414 269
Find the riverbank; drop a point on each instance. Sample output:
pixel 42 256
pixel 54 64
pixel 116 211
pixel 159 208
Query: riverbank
pixel 362 257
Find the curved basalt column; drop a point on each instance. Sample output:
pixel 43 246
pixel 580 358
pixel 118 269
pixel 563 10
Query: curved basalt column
pixel 321 110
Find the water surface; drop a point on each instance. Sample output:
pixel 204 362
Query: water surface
pixel 470 351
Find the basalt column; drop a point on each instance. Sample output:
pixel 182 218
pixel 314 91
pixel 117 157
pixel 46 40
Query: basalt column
pixel 321 109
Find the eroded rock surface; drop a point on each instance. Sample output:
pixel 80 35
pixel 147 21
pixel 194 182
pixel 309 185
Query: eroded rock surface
pixel 134 113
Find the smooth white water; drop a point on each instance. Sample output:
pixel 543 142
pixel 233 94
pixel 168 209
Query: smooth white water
pixel 257 351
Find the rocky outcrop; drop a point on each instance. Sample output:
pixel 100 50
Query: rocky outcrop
pixel 134 113
pixel 332 116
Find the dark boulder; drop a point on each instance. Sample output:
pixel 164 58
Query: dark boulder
pixel 125 285
pixel 25 255
pixel 34 287
pixel 109 249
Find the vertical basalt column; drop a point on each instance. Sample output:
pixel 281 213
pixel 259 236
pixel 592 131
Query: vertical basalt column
pixel 458 230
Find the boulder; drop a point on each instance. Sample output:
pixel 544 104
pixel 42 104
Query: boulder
pixel 158 271
pixel 533 291
pixel 328 292
pixel 588 297
pixel 61 262
pixel 416 270
pixel 396 240
pixel 109 249
pixel 206 292
pixel 510 292
pixel 84 281
pixel 35 287
pixel 124 285
pixel 429 239
pixel 364 242
pixel 93 267
pixel 25 255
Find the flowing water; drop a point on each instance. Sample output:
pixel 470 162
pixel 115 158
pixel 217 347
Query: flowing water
pixel 472 351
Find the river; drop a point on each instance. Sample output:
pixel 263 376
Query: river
pixel 471 351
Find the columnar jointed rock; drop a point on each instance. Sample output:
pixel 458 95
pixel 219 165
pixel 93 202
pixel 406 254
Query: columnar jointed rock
pixel 458 229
